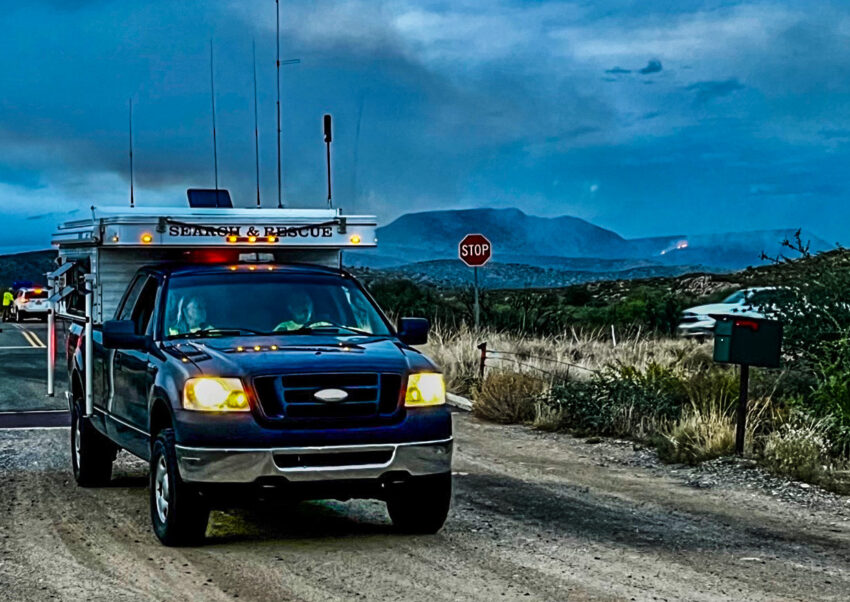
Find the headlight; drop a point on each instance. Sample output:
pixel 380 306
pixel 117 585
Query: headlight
pixel 703 317
pixel 210 394
pixel 425 390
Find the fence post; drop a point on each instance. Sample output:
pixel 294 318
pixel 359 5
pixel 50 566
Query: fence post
pixel 483 348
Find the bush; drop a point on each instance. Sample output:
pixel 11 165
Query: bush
pixel 798 450
pixel 620 401
pixel 509 397
pixel 700 435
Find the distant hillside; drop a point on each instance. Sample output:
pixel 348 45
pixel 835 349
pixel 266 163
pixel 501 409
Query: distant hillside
pixel 542 242
pixel 30 266
pixel 450 273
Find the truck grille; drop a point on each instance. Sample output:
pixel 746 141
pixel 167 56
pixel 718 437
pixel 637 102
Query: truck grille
pixel 291 397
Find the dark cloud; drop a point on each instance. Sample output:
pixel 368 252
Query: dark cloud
pixel 709 90
pixel 618 70
pixel 653 66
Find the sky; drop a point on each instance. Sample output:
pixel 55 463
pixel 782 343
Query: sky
pixel 647 117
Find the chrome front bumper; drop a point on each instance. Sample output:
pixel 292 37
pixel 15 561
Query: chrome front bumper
pixel 217 465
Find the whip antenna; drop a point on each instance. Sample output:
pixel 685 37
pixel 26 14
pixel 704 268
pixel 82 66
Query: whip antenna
pixel 215 145
pixel 132 199
pixel 256 127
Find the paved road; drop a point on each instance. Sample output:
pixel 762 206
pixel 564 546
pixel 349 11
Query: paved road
pixel 535 517
pixel 23 368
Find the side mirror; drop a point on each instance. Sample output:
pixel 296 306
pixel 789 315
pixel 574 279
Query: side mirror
pixel 413 331
pixel 121 334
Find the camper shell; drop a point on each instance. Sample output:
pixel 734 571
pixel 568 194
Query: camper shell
pixel 324 409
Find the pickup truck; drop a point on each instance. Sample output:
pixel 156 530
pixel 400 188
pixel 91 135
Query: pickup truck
pixel 250 380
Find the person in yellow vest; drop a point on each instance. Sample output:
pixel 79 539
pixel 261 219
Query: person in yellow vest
pixel 8 299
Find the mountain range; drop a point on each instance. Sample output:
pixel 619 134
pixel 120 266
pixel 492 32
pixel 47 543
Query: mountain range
pixel 539 251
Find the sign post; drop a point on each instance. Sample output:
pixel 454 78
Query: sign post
pixel 475 250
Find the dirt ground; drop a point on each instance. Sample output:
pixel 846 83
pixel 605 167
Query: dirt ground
pixel 535 517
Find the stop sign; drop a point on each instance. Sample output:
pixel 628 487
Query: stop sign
pixel 474 250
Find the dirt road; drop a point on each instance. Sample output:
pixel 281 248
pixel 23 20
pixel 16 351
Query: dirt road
pixel 535 517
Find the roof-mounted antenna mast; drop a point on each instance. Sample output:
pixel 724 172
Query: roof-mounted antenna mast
pixel 132 199
pixel 212 97
pixel 278 63
pixel 256 126
pixel 328 139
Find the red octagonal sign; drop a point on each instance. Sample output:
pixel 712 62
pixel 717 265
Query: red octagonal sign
pixel 474 250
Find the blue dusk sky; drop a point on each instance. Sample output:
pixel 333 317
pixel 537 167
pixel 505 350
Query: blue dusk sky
pixel 643 116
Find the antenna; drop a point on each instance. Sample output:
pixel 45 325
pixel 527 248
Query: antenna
pixel 256 127
pixel 328 139
pixel 132 199
pixel 279 63
pixel 212 97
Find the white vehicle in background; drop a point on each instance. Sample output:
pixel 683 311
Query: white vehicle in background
pixel 754 302
pixel 29 303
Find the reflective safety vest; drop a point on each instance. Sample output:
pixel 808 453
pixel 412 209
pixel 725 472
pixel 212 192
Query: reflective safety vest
pixel 7 298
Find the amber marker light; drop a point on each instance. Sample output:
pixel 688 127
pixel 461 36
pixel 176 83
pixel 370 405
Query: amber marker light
pixel 232 238
pixel 147 238
pixel 355 239
pixel 240 348
pixel 273 348
pixel 271 238
pixel 257 347
pixel 252 239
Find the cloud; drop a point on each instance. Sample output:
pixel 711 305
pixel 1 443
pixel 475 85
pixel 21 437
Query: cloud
pixel 710 90
pixel 653 66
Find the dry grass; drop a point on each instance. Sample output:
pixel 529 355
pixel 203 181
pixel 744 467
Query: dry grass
pixel 509 397
pixel 572 354
pixel 700 434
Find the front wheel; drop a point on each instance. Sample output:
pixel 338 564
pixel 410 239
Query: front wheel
pixel 92 453
pixel 178 512
pixel 421 505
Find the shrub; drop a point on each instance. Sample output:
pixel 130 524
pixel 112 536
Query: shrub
pixel 798 449
pixel 548 417
pixel 509 397
pixel 699 435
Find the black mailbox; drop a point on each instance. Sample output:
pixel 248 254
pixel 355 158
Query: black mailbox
pixel 748 341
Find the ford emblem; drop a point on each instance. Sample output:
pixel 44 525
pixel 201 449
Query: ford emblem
pixel 331 395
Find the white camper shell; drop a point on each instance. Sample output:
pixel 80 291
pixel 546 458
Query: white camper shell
pixel 99 255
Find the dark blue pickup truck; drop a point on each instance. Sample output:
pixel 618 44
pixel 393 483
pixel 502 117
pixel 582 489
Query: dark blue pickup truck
pixel 248 380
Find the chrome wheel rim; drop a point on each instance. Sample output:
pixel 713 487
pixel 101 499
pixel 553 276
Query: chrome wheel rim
pixel 161 489
pixel 77 442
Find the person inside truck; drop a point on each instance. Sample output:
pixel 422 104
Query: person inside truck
pixel 298 308
pixel 191 316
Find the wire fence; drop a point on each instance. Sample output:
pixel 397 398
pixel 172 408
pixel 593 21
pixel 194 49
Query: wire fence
pixel 522 359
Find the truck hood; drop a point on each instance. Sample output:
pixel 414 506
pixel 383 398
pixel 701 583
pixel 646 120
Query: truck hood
pixel 236 356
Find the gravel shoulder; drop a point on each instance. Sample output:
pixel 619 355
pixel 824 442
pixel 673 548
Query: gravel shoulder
pixel 535 516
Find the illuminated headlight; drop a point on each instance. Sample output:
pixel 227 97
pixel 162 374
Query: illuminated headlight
pixel 426 389
pixel 210 394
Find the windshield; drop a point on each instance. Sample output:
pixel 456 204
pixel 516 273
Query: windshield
pixel 268 302
pixel 735 297
pixel 35 294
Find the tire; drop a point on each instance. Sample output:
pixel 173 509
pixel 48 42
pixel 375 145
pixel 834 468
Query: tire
pixel 18 317
pixel 179 514
pixel 422 504
pixel 92 453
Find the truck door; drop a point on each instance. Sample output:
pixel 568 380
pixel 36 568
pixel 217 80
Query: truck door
pixel 132 377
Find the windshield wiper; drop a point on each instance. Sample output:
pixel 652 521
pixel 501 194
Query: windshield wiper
pixel 316 329
pixel 213 332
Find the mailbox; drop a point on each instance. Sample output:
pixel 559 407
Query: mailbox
pixel 749 341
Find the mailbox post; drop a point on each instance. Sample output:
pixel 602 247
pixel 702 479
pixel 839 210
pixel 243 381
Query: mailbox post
pixel 748 342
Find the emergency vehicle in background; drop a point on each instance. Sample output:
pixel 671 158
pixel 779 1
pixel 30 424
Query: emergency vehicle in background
pixel 229 349
pixel 29 302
